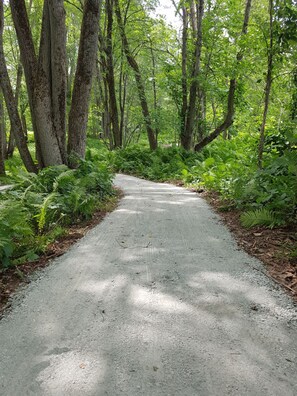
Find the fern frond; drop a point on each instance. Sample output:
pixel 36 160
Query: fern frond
pixel 259 217
pixel 42 216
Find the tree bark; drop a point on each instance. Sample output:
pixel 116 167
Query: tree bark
pixel 2 137
pixel 103 91
pixel 293 111
pixel 186 137
pixel 114 116
pixel 11 105
pixel 28 59
pixel 52 64
pixel 138 78
pixel 156 107
pixel 38 84
pixel 78 116
pixel 201 113
pixel 267 88
pixel 122 98
pixel 184 71
pixel 11 142
pixel 228 121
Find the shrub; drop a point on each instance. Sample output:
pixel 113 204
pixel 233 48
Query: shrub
pixel 39 204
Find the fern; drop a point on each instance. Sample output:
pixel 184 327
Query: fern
pixel 259 217
pixel 37 204
pixel 47 206
pixel 65 181
pixel 14 228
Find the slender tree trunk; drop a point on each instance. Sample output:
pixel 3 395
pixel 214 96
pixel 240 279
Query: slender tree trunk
pixel 122 98
pixel 11 142
pixel 2 136
pixel 194 17
pixel 140 86
pixel 114 117
pixel 11 105
pixel 103 92
pixel 101 75
pixel 184 71
pixel 267 88
pixel 3 122
pixel 124 116
pixel 156 107
pixel 123 87
pixel 186 137
pixel 99 100
pixel 228 121
pixel 78 116
pixel 294 96
pixel 201 113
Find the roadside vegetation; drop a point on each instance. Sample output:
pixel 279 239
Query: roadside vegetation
pixel 266 196
pixel 37 209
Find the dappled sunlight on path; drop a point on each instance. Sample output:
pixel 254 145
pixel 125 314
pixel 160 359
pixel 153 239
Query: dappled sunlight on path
pixel 156 300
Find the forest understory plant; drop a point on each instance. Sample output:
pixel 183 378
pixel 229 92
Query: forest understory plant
pixel 35 211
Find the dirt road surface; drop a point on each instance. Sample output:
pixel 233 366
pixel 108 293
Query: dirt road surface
pixel 155 301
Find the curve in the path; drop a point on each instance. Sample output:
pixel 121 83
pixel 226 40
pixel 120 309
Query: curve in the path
pixel 156 300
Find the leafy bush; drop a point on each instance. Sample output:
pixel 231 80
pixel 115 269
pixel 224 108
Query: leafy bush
pixel 160 165
pixel 40 204
pixel 275 187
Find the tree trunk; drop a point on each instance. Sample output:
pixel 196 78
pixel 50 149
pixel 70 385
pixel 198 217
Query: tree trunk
pixel 52 64
pixel 11 142
pixel 184 71
pixel 2 137
pixel 103 99
pixel 194 18
pixel 228 121
pixel 201 113
pixel 122 98
pixel 28 59
pixel 140 86
pixel 78 116
pixel 267 88
pixel 156 107
pixel 114 117
pixel 11 105
pixel 37 77
pixel 294 96
pixel 186 137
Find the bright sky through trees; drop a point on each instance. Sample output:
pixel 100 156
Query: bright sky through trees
pixel 166 9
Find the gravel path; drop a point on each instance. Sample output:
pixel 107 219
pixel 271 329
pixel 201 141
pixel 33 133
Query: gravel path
pixel 156 300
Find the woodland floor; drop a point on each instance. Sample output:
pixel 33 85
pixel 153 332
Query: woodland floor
pixel 272 246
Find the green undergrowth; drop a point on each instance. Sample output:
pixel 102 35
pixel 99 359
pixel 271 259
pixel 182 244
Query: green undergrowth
pixel 38 209
pixel 266 197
